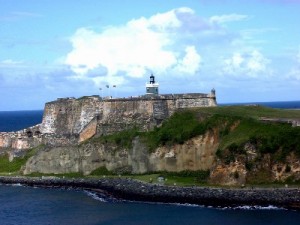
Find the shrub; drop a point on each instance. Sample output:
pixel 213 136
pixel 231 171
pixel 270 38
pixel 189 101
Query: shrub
pixel 249 166
pixel 18 162
pixel 101 171
pixel 288 169
pixel 219 153
pixel 236 175
pixel 123 138
pixel 200 176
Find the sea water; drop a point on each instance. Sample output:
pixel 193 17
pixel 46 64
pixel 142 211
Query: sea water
pixel 27 205
pixel 17 120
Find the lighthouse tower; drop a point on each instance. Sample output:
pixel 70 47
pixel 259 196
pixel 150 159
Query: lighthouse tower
pixel 152 87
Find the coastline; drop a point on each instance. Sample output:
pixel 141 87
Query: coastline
pixel 132 190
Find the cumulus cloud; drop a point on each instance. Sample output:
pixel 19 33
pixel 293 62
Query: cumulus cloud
pixel 250 64
pixel 190 62
pixel 134 49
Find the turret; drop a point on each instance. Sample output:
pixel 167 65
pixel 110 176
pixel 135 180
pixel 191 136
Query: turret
pixel 213 93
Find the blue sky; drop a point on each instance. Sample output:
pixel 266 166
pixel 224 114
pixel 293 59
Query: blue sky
pixel 248 51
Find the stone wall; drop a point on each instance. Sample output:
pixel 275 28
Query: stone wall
pixel 69 115
pixel 23 139
pixel 89 131
pixel 145 112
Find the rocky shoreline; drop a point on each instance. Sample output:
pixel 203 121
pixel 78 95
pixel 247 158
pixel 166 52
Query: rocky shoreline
pixel 128 189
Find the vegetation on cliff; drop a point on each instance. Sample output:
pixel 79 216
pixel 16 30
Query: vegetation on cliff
pixel 122 139
pixel 268 150
pixel 237 125
pixel 16 164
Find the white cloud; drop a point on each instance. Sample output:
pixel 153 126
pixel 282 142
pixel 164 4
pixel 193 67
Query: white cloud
pixel 250 64
pixel 227 18
pixel 190 63
pixel 132 50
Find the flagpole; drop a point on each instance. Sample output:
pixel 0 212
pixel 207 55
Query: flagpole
pixel 101 95
pixel 114 86
pixel 108 90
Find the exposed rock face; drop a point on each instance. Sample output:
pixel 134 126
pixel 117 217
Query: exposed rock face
pixel 70 159
pixel 231 175
pixel 196 154
pixel 138 157
pixel 289 169
pixel 262 168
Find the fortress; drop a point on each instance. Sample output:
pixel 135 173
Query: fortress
pixel 70 121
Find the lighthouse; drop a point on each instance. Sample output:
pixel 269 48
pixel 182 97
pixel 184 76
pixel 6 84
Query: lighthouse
pixel 152 87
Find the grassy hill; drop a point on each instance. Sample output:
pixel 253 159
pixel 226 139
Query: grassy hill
pixel 236 125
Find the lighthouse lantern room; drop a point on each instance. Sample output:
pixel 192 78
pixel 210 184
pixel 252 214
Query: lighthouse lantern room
pixel 152 87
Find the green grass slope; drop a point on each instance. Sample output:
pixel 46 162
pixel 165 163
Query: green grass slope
pixel 236 125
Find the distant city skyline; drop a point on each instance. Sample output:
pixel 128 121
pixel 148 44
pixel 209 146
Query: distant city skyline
pixel 249 51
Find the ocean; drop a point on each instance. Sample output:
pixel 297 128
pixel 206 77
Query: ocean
pixel 18 120
pixel 278 105
pixel 27 205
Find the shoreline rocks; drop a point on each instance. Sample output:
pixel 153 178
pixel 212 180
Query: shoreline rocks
pixel 128 189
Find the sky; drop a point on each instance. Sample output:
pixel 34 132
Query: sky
pixel 249 51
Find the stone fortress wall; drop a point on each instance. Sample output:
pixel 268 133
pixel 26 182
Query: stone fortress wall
pixel 70 121
pixel 22 139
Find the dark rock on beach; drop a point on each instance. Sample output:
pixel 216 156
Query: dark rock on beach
pixel 129 189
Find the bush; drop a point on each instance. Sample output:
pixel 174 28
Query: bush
pixel 122 139
pixel 199 174
pixel 249 166
pixel 236 175
pixel 18 162
pixel 219 153
pixel 101 171
pixel 180 127
pixel 288 169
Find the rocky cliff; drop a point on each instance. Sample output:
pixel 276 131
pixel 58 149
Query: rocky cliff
pixel 196 154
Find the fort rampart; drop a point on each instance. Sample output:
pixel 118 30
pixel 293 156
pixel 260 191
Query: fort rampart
pixel 70 121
